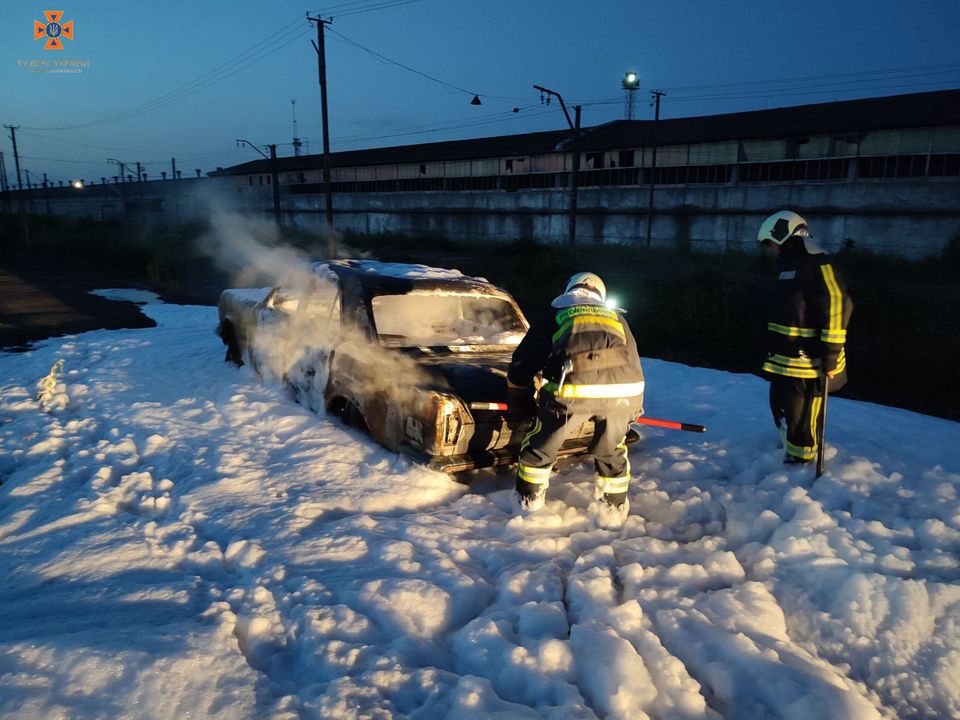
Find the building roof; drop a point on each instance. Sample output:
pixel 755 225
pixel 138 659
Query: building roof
pixel 842 117
pixel 504 145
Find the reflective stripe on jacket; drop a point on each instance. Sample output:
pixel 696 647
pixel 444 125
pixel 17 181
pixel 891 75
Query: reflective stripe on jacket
pixel 809 312
pixel 598 343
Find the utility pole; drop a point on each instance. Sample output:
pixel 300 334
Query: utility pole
pixel 141 206
pixel 296 136
pixel 4 187
pixel 657 94
pixel 575 149
pixel 16 156
pixel 320 47
pixel 173 168
pixel 46 192
pixel 16 159
pixel 123 168
pixel 276 186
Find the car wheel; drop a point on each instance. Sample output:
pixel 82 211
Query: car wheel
pixel 233 354
pixel 352 416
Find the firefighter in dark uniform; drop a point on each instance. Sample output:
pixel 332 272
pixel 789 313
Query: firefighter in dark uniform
pixel 591 370
pixel 806 331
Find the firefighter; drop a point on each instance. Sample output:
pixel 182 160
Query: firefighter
pixel 591 370
pixel 806 331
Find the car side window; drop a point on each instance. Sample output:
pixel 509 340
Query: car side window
pixel 321 305
pixel 285 300
pixel 288 294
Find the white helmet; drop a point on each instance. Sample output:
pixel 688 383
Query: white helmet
pixel 584 288
pixel 781 226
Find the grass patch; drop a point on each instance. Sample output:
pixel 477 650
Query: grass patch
pixel 710 309
pixel 698 309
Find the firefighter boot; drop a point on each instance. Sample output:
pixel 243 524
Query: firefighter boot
pixel 613 491
pixel 531 492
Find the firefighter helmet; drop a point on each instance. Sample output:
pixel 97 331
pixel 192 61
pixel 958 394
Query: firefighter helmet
pixel 781 226
pixel 584 288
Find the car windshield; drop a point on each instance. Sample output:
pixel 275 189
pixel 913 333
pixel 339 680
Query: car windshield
pixel 427 319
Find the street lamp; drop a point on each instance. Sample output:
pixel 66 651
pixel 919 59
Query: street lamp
pixel 656 94
pixel 124 168
pixel 575 174
pixel 273 173
pixel 630 84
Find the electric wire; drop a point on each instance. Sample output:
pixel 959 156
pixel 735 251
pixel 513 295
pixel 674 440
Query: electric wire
pixel 454 125
pixel 860 74
pixel 253 54
pixel 346 11
pixel 390 61
pixel 755 89
pixel 810 91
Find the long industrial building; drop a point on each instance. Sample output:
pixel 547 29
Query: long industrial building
pixel 880 174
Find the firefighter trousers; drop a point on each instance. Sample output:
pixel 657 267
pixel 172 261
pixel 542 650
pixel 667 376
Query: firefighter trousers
pixel 554 423
pixel 797 407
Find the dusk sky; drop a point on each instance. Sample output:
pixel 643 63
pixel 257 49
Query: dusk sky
pixel 185 79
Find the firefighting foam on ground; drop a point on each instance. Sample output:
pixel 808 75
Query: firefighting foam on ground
pixel 180 536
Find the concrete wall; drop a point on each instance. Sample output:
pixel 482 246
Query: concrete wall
pixel 910 217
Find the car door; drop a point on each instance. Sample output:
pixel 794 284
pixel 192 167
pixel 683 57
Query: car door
pixel 316 327
pixel 270 349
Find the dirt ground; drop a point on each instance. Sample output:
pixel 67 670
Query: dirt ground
pixel 39 303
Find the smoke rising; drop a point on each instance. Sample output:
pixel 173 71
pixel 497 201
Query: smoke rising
pixel 249 249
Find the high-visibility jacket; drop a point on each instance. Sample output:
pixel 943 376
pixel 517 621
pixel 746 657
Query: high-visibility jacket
pixel 599 344
pixel 807 320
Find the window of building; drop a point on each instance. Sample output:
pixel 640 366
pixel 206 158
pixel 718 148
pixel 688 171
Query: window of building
pixel 945 165
pixel 625 158
pixel 250 179
pixel 261 179
pixel 595 160
pixel 423 169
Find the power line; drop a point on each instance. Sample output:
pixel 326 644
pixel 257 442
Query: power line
pixel 345 10
pixel 454 125
pixel 792 92
pixel 813 83
pixel 250 56
pixel 46 138
pixel 390 61
pixel 860 74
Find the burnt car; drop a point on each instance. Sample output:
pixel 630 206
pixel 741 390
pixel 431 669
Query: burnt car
pixel 418 356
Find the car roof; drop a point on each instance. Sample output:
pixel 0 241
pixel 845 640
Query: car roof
pixel 378 277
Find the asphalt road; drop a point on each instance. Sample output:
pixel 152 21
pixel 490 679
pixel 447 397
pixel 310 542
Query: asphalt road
pixel 37 304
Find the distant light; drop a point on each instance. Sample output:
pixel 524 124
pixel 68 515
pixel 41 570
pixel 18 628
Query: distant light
pixel 631 81
pixel 611 303
pixel 78 184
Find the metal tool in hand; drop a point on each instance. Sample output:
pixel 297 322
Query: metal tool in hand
pixel 567 368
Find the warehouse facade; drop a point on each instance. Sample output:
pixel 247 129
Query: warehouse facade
pixel 881 174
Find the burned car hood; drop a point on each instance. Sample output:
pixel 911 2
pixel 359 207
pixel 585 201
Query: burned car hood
pixel 473 376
